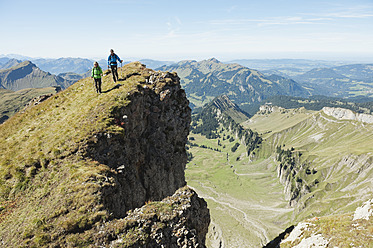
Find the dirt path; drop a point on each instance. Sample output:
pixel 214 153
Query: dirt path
pixel 259 230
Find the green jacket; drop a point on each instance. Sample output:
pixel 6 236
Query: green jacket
pixel 96 72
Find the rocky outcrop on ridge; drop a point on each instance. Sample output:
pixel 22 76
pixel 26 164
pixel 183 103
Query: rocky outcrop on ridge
pixel 348 230
pixel 184 225
pixel 346 114
pixel 150 156
pixel 106 167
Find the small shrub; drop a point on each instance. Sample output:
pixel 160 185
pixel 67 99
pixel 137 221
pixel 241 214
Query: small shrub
pixel 234 148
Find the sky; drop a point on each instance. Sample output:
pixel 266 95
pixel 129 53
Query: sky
pixel 176 30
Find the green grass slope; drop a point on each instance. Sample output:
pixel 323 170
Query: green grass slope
pixel 274 119
pixel 49 190
pixel 11 102
pixel 341 151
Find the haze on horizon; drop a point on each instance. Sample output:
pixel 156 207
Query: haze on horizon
pixel 175 30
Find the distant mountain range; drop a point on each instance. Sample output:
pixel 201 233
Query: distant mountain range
pixel 153 64
pixel 57 66
pixel 207 79
pixel 289 66
pixel 71 65
pixel 27 75
pixel 9 63
pixel 241 81
pixel 341 81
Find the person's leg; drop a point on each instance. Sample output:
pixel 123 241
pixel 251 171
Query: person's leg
pixel 114 72
pixel 99 85
pixel 96 85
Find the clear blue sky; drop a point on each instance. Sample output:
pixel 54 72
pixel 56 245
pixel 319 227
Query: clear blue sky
pixel 175 30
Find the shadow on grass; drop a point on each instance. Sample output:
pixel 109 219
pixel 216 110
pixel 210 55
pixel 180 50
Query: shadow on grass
pixel 115 87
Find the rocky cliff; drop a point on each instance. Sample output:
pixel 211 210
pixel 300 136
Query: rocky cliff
pixel 82 169
pixel 346 114
pixel 349 230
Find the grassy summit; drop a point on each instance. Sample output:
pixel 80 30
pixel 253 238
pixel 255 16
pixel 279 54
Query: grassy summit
pixel 50 190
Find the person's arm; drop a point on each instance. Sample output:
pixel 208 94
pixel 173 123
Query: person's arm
pixel 108 62
pixel 92 72
pixel 119 59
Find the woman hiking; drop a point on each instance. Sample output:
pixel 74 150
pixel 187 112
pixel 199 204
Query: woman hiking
pixel 96 75
pixel 112 63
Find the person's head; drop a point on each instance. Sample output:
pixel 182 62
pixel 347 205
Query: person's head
pixel 95 64
pixel 111 51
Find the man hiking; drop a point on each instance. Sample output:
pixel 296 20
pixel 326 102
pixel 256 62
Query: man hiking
pixel 96 75
pixel 112 63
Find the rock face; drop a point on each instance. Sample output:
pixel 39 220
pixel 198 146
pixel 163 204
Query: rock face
pixel 150 156
pixel 185 225
pixel 365 211
pixel 346 114
pixel 348 230
pixel 268 108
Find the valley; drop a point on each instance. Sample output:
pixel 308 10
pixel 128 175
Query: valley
pixel 254 198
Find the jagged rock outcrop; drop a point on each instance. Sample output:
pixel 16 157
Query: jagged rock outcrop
pixel 346 114
pixel 149 156
pixel 39 99
pixel 353 230
pixel 75 164
pixel 269 108
pixel 293 175
pixel 365 211
pixel 184 225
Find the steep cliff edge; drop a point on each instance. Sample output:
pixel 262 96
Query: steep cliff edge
pixel 73 166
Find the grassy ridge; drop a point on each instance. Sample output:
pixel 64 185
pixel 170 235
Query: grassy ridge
pixel 48 189
pixel 341 152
